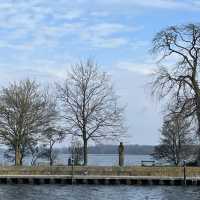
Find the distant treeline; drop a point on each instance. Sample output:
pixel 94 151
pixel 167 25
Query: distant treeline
pixel 113 149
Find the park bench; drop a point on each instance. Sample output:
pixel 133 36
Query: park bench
pixel 147 163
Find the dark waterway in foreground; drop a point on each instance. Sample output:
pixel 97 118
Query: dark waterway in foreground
pixel 57 192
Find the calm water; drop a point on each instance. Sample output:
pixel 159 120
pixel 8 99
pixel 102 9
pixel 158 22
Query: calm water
pixel 108 159
pixel 93 159
pixel 56 192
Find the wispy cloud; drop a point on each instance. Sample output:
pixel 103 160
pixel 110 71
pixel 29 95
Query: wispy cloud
pixel 29 24
pixel 155 4
pixel 45 24
pixel 106 35
pixel 44 71
pixel 145 68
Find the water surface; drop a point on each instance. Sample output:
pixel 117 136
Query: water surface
pixel 85 192
pixel 93 159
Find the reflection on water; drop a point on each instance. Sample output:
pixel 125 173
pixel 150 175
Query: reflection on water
pixel 57 192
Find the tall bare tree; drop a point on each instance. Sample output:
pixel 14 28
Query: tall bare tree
pixel 176 138
pixel 25 113
pixel 180 83
pixel 91 109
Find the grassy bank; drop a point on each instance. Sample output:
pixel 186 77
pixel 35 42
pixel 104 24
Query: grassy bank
pixel 93 170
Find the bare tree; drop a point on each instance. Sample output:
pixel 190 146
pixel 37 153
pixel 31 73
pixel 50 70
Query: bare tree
pixel 37 152
pixel 91 109
pixel 25 113
pixel 179 83
pixel 53 133
pixel 52 136
pixel 76 150
pixel 176 137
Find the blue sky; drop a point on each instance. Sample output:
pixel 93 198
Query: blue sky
pixel 40 39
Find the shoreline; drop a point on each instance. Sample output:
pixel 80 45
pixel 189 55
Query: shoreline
pixel 98 180
pixel 166 171
pixel 99 175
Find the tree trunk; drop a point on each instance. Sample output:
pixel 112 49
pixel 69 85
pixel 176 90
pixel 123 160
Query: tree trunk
pixel 51 162
pixel 198 131
pixel 85 152
pixel 197 102
pixel 50 158
pixel 21 160
pixel 18 160
pixel 198 121
pixel 121 154
pixel 50 154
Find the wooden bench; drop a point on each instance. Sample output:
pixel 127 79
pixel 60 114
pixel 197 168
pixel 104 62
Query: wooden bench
pixel 147 163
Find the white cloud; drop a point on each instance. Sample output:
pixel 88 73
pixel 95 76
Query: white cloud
pixel 99 14
pixel 107 29
pixel 155 4
pixel 45 22
pixel 108 43
pixel 146 68
pixel 44 71
pixel 135 45
pixel 106 35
